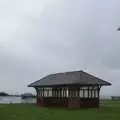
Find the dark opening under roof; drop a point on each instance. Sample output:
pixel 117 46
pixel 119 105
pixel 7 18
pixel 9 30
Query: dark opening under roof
pixel 69 78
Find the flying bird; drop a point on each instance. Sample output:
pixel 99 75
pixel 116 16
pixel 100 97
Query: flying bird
pixel 118 29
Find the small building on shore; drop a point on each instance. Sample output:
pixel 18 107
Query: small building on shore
pixel 76 89
pixel 27 96
pixel 115 97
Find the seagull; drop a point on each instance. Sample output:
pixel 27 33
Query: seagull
pixel 118 29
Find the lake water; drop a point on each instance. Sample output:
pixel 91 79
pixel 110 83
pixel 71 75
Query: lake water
pixel 13 100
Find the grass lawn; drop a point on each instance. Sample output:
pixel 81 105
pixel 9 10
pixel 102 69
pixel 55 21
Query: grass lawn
pixel 110 110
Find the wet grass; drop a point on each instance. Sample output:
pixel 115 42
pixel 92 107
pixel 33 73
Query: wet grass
pixel 110 110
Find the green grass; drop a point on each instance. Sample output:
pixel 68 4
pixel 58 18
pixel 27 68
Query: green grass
pixel 110 110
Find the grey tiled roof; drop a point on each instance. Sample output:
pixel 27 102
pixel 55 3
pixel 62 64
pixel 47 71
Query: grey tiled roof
pixel 69 78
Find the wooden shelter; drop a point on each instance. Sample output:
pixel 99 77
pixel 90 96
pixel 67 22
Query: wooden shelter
pixel 75 89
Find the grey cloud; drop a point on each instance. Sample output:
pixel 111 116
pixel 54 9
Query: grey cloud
pixel 50 36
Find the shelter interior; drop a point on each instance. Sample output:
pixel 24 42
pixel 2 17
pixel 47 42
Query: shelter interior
pixel 68 96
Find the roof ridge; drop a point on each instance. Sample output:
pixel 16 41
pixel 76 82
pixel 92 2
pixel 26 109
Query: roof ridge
pixel 66 72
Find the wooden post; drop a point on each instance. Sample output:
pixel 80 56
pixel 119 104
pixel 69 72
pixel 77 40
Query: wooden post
pixel 88 93
pixel 83 93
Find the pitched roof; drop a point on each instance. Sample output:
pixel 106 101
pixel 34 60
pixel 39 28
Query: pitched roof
pixel 69 78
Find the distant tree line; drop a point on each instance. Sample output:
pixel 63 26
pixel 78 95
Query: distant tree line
pixel 4 94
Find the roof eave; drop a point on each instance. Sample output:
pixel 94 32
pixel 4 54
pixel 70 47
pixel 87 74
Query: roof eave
pixel 104 84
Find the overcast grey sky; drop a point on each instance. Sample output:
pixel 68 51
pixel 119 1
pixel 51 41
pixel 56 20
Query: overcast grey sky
pixel 40 37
